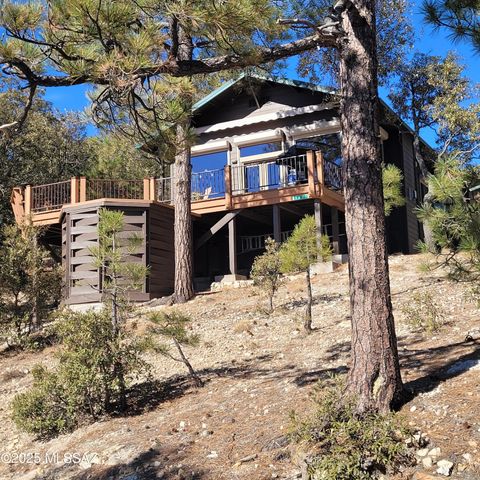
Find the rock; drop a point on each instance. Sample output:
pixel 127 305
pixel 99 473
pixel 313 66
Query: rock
pixel 212 454
pixel 435 452
pixel 445 467
pixel 423 452
pixel 468 457
pixel 427 462
pixel 412 409
pixel 461 467
pixel 248 458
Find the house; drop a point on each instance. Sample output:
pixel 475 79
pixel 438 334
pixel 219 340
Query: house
pixel 267 153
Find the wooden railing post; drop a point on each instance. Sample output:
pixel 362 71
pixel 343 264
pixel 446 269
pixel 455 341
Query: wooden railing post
pixel 74 190
pixel 153 190
pixel 146 189
pixel 320 172
pixel 28 200
pixel 83 189
pixel 311 173
pixel 228 187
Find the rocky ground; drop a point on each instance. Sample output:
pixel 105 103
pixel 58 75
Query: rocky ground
pixel 258 368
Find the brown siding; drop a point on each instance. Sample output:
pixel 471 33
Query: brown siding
pixel 154 224
pixel 410 191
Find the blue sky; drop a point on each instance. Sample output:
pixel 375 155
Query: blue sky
pixel 426 40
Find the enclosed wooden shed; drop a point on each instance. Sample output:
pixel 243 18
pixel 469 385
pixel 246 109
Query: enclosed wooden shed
pixel 152 221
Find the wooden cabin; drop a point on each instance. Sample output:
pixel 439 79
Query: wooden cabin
pixel 267 153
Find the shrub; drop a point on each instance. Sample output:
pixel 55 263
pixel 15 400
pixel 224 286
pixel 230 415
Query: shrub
pixel 173 327
pixel 266 270
pixel 96 365
pixel 300 251
pixel 29 288
pixel 346 446
pixel 423 314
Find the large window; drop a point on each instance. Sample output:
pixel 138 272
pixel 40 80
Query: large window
pixel 208 179
pixel 209 161
pixel 260 148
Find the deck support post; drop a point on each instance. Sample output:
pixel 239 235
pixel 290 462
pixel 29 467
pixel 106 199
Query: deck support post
pixel 320 172
pixel 317 206
pixel 311 172
pixel 232 246
pixel 74 190
pixel 28 200
pixel 335 231
pixel 153 190
pixel 228 187
pixel 83 189
pixel 146 189
pixel 277 224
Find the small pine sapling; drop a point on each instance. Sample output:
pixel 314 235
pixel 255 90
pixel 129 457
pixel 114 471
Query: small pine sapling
pixel 118 276
pixel 266 270
pixel 299 252
pixel 173 326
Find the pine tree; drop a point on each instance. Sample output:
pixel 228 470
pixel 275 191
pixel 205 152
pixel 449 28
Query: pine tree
pixel 454 219
pixel 118 278
pixel 299 252
pixel 124 47
pixel 266 270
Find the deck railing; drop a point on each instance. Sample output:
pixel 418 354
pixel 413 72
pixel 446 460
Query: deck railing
pixel 208 184
pixel 236 180
pixel 332 175
pixel 52 196
pixel 283 172
pixel 122 189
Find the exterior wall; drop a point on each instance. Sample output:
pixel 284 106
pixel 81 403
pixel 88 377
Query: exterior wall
pixel 411 192
pixel 152 222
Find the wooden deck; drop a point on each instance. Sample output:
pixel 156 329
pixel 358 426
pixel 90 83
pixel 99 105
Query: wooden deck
pixel 213 191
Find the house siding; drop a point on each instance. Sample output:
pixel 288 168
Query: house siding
pixel 411 192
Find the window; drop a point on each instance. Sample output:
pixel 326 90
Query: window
pixel 208 178
pixel 209 161
pixel 260 148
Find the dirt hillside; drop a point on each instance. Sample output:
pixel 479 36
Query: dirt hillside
pixel 258 368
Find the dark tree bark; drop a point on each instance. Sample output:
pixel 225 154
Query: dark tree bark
pixel 374 377
pixel 182 193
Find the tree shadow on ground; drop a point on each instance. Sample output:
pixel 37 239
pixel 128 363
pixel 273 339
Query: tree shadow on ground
pixel 302 302
pixel 437 365
pixel 164 463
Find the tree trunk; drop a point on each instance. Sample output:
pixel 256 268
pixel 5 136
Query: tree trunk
pixel 182 191
pixel 308 310
pixel 198 381
pixel 374 377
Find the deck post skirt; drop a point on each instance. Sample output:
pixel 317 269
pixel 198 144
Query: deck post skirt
pixel 320 180
pixel 153 191
pixel 28 200
pixel 74 190
pixel 228 187
pixel 83 189
pixel 146 189
pixel 311 168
